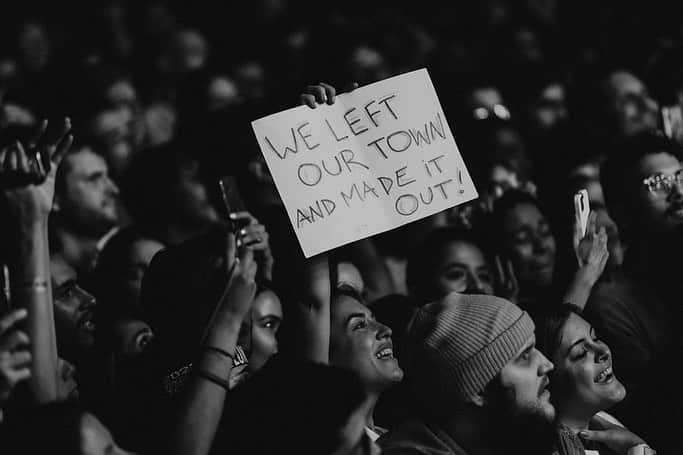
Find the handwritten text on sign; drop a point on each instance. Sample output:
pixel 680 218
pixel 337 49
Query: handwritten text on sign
pixel 380 157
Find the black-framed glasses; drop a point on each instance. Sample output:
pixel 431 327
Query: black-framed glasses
pixel 661 184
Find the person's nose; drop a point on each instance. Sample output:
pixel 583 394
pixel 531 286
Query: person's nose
pixel 112 188
pixel 545 366
pixel 383 331
pixel 676 192
pixel 474 284
pixel 602 353
pixel 89 300
pixel 539 244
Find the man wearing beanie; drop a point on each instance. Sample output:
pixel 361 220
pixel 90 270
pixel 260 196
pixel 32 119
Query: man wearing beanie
pixel 478 383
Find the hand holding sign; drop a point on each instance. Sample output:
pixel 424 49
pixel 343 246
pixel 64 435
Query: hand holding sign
pixel 365 162
pixel 322 93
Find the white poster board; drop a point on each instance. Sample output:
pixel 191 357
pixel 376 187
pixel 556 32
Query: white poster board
pixel 378 158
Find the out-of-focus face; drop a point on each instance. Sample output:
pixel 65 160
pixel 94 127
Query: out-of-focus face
pixel 583 381
pixel 139 257
pixel 194 207
pixel 631 104
pixel 487 102
pixel 360 343
pixel 250 78
pixel 115 129
pixel 95 438
pixel 74 308
pixel 462 268
pixel 34 45
pixel 527 45
pixel 89 199
pixel 501 180
pixel 659 210
pixel 530 244
pixel 222 92
pixel 131 337
pixel 121 92
pixel 354 440
pixel 368 65
pixel 525 382
pixel 266 317
pixel 550 109
pixel 191 50
pixel 67 387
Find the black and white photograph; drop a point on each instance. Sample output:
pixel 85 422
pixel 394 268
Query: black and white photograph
pixel 273 227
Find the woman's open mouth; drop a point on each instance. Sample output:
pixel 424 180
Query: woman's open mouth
pixel 605 376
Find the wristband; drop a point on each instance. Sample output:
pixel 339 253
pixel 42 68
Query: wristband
pixel 38 284
pixel 213 378
pixel 220 351
pixel 641 449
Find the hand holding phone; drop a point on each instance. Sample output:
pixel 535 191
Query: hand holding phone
pixel 582 209
pixel 232 200
pixel 672 122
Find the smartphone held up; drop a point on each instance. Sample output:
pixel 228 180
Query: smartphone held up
pixel 582 209
pixel 232 200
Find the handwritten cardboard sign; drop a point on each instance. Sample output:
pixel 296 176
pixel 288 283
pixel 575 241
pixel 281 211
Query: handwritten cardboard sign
pixel 378 158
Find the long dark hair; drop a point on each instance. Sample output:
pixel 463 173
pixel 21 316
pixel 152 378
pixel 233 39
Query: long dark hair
pixel 549 327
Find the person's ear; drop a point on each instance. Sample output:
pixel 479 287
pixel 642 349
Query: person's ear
pixel 479 400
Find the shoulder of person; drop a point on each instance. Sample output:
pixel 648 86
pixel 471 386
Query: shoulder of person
pixel 416 438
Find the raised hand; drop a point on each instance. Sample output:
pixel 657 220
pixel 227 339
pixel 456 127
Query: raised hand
pixel 322 93
pixel 27 172
pixel 613 436
pixel 15 358
pixel 507 286
pixel 240 290
pixel 591 250
pixel 242 286
pixel 255 236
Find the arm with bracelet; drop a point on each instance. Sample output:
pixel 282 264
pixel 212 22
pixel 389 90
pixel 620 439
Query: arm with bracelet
pixel 204 400
pixel 28 174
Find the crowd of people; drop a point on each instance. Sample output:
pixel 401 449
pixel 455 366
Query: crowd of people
pixel 138 315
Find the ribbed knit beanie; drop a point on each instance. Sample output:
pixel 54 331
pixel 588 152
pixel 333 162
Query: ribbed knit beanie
pixel 461 342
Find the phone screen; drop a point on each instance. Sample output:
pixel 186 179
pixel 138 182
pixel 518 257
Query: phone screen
pixel 672 122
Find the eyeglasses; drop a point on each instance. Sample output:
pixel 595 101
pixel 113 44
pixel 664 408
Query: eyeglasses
pixel 498 110
pixel 663 183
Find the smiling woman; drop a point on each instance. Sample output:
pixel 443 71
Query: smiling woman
pixel 360 343
pixel 583 384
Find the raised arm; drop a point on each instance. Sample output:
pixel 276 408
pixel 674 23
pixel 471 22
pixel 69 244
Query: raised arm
pixel 28 191
pixel 314 308
pixel 591 254
pixel 204 399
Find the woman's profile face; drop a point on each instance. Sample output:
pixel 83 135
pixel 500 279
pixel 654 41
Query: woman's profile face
pixel 530 244
pixel 583 369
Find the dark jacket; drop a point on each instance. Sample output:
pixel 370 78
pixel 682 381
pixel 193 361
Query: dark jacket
pixel 417 438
